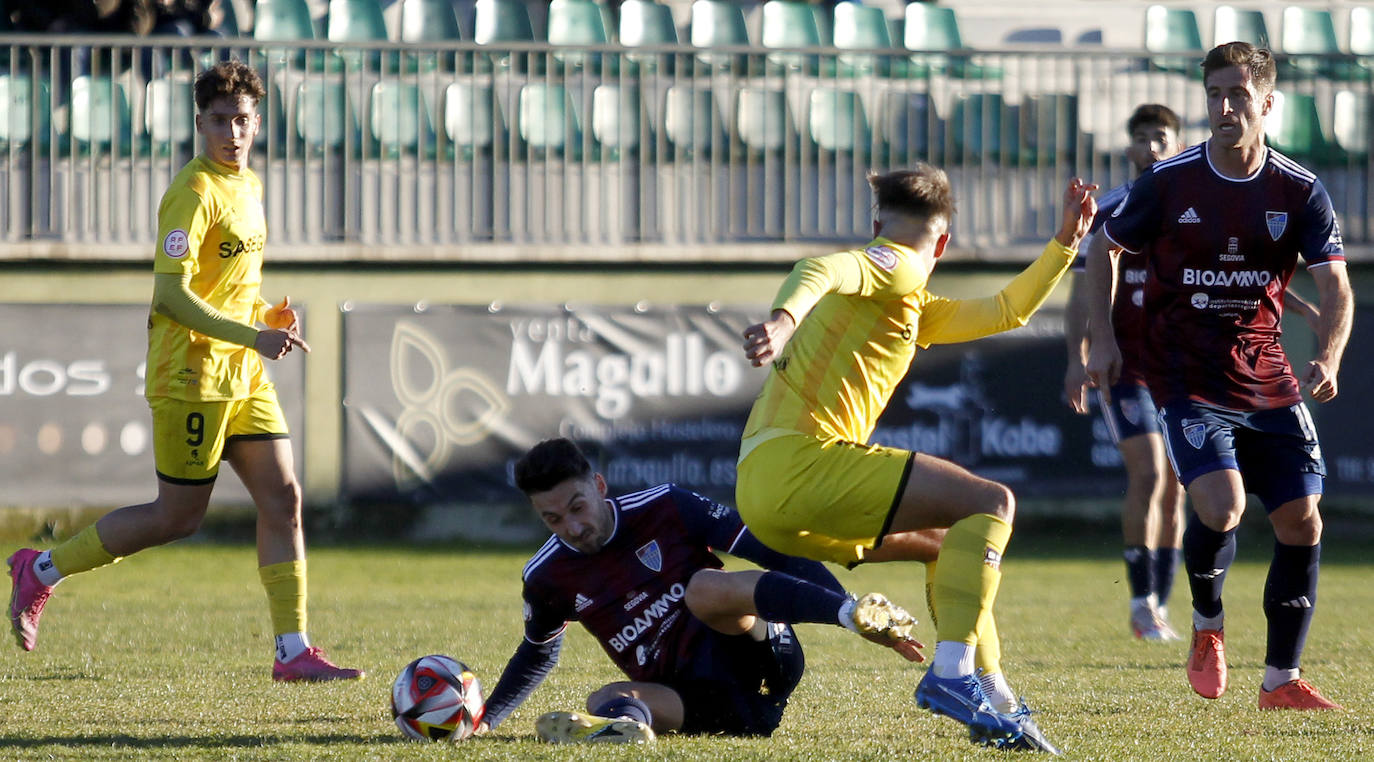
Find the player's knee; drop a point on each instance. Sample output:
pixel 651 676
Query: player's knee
pixel 283 504
pixel 998 500
pixel 1297 525
pixel 179 525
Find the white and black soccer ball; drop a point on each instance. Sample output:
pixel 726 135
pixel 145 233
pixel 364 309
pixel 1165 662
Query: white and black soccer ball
pixel 435 698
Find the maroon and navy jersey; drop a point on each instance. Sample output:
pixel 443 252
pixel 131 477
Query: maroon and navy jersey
pixel 1128 316
pixel 1222 251
pixel 629 595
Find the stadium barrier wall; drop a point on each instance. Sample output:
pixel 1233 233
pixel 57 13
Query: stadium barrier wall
pixel 469 153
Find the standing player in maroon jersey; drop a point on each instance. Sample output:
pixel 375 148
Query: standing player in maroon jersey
pixel 1226 222
pixel 705 651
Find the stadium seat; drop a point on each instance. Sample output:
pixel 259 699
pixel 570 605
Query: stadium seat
pixel 761 119
pixel 284 21
pixel 1351 122
pixel 838 122
pixel 169 112
pixel 788 25
pixel 401 122
pixel 861 27
pixel 909 126
pixel 983 128
pixel 1173 30
pixel 1294 127
pixel 549 119
pixel 646 23
pixel 101 118
pixel 356 21
pixel 1361 36
pixel 469 116
pixel 930 29
pixel 717 23
pixel 499 21
pixel 691 119
pixel 28 116
pixel 576 23
pixel 1230 24
pixel 1049 128
pixel 425 21
pixel 1306 35
pixel 325 119
pixel 616 119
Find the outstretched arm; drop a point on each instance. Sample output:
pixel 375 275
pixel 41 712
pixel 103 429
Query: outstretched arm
pixel 524 672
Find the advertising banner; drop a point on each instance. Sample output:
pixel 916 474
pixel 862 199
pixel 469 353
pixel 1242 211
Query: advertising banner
pixel 75 429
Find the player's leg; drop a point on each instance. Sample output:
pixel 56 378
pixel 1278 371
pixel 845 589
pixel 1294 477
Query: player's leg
pixel 261 455
pixel 731 603
pixel 1144 477
pixel 1168 540
pixel 188 438
pixel 623 712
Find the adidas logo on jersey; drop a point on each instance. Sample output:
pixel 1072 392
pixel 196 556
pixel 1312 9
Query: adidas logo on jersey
pixel 581 602
pixel 1189 216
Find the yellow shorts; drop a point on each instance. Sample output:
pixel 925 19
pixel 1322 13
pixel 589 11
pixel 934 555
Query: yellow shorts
pixel 189 436
pixel 824 500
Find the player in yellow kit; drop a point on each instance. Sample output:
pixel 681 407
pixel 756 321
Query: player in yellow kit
pixel 206 384
pixel 843 331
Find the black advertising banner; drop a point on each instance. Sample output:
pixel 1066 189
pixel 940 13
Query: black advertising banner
pixel 75 429
pixel 441 400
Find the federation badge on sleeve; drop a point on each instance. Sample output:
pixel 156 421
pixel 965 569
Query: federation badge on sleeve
pixel 176 244
pixel 884 257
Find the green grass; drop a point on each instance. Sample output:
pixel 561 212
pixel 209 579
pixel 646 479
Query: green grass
pixel 167 655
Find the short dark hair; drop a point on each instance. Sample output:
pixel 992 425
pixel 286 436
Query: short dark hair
pixel 549 464
pixel 1153 113
pixel 921 192
pixel 1259 61
pixel 228 78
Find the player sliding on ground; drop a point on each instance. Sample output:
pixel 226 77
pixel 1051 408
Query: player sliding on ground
pixel 207 386
pixel 706 651
pixel 843 331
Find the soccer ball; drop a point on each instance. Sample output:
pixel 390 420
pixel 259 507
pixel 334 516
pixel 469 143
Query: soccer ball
pixel 436 697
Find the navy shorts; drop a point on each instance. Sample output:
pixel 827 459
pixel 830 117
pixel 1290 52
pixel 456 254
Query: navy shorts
pixel 1131 412
pixel 739 686
pixel 1275 451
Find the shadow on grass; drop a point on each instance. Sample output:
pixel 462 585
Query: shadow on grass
pixel 119 740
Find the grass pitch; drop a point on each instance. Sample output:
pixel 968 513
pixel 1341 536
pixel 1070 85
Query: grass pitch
pixel 167 655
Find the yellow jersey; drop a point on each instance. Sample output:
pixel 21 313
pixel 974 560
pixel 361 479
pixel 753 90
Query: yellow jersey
pixel 210 225
pixel 861 315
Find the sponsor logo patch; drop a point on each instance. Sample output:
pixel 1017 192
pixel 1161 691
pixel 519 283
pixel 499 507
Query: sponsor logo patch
pixel 1200 300
pixel 884 257
pixel 1277 223
pixel 175 245
pixel 1232 245
pixel 991 557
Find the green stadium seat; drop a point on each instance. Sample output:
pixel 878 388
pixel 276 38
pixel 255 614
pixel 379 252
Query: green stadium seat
pixel 576 23
pixel 788 25
pixel 284 21
pixel 761 119
pixel 426 21
pixel 717 23
pixel 325 119
pixel 1294 127
pixel 469 116
pixel 983 128
pixel 1049 128
pixel 356 21
pixel 501 21
pixel 101 118
pixel 691 119
pixel 1362 36
pixel 861 27
pixel 28 114
pixel 401 122
pixel 838 122
pixel 645 23
pixel 1351 122
pixel 616 119
pixel 1173 30
pixel 931 30
pixel 909 126
pixel 1308 34
pixel 169 112
pixel 1230 24
pixel 549 119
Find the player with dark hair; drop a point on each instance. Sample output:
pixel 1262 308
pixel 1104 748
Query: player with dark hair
pixel 705 651
pixel 1225 222
pixel 1152 513
pixel 843 331
pixel 206 384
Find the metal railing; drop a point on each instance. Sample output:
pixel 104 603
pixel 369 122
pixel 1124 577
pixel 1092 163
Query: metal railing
pixel 442 150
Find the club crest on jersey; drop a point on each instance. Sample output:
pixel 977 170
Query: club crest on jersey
pixel 884 257
pixel 651 556
pixel 1277 222
pixel 175 245
pixel 1195 433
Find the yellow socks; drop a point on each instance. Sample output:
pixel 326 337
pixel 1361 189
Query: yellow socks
pixel 81 553
pixel 967 576
pixel 285 584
